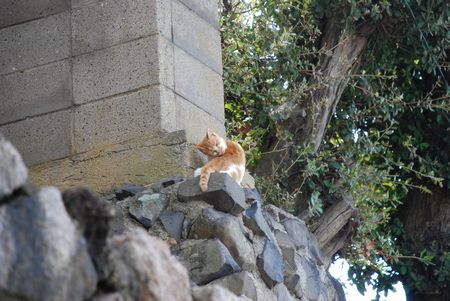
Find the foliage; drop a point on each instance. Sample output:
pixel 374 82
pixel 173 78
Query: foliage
pixel 388 136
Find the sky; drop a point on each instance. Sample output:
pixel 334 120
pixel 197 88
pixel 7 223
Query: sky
pixel 339 271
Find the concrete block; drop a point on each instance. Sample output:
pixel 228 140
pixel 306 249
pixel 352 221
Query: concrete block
pixel 35 91
pixel 206 9
pixel 115 70
pixel 195 121
pixel 41 138
pixel 111 22
pixel 116 119
pixel 80 3
pixel 141 160
pixel 166 62
pixel 17 11
pixel 196 36
pixel 35 43
pixel 164 18
pixel 199 84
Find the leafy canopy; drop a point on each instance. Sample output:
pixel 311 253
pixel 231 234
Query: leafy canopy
pixel 390 133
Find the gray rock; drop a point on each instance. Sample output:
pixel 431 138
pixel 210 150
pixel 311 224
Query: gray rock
pixel 315 251
pixel 13 172
pixel 310 281
pixel 173 222
pixel 146 208
pixel 42 255
pixel 270 264
pixel 142 268
pixel 282 293
pixel 160 185
pixel 252 195
pixel 227 228
pixel 239 283
pixel 223 193
pixel 123 222
pixel 214 293
pixel 206 260
pixel 340 294
pixel 297 231
pixel 294 285
pixel 288 250
pixel 109 297
pixel 93 217
pixel 127 190
pixel 254 220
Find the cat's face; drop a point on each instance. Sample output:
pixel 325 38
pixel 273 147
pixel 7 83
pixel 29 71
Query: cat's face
pixel 212 145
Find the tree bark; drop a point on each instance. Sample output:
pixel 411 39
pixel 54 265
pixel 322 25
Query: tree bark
pixel 307 120
pixel 426 221
pixel 333 220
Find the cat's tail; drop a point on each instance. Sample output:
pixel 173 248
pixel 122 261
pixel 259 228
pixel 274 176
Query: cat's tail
pixel 204 178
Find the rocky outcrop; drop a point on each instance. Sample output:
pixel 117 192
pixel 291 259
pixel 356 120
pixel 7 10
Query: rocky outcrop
pixel 13 173
pixel 164 241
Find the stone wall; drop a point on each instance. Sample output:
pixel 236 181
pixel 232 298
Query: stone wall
pixel 98 85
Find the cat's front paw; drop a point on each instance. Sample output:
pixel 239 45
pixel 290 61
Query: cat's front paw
pixel 203 187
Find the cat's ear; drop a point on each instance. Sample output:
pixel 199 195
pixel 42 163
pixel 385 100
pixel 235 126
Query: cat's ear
pixel 210 133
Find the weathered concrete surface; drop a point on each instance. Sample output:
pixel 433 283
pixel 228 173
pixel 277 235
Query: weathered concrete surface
pixel 41 138
pixel 111 22
pixel 196 36
pixel 141 160
pixel 35 91
pixel 117 69
pixel 35 43
pixel 17 11
pixel 83 77
pixel 198 83
pixel 206 9
pixel 115 119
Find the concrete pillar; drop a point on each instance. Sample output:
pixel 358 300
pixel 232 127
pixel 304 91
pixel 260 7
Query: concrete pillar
pixel 100 92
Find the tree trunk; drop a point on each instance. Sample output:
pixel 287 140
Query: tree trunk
pixel 333 220
pixel 307 120
pixel 426 221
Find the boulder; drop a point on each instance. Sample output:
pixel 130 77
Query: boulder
pixel 214 293
pixel 310 279
pixel 255 221
pixel 93 217
pixel 282 293
pixel 122 222
pixel 127 190
pixel 146 207
pixel 270 264
pixel 252 195
pixel 13 173
pixel 297 231
pixel 42 255
pixel 109 297
pixel 242 284
pixel 173 222
pixel 142 268
pixel 206 260
pixel 287 250
pixel 306 283
pixel 227 228
pixel 223 193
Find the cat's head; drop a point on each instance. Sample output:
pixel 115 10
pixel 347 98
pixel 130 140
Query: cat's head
pixel 212 145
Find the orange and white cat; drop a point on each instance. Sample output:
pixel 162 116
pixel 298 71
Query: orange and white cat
pixel 228 157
